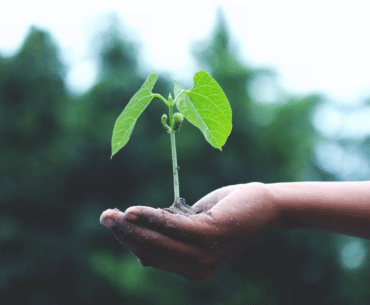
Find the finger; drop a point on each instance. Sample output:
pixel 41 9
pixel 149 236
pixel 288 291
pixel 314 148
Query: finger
pixel 211 199
pixel 109 217
pixel 240 203
pixel 115 221
pixel 155 242
pixel 127 232
pixel 191 229
pixel 156 250
pixel 191 270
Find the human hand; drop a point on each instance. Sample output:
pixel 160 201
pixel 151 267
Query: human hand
pixel 196 246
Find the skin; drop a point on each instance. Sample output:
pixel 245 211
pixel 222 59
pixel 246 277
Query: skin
pixel 230 218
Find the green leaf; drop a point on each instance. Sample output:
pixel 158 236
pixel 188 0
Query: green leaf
pixel 125 123
pixel 206 106
pixel 177 89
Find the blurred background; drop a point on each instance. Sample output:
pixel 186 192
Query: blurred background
pixel 297 78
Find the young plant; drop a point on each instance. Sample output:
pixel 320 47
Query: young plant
pixel 205 106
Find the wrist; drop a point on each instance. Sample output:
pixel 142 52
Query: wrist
pixel 267 204
pixel 283 219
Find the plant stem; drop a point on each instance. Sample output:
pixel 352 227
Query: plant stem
pixel 176 184
pixel 161 98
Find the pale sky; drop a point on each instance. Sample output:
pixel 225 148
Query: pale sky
pixel 315 46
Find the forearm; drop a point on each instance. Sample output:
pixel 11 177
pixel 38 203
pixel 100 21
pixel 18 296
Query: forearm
pixel 337 207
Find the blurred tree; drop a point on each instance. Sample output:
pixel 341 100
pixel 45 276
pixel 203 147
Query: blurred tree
pixel 31 91
pixel 117 56
pixel 41 255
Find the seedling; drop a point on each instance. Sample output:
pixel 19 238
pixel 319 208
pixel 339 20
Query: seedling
pixel 205 106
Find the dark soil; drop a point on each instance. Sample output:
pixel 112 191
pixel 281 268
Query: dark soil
pixel 180 207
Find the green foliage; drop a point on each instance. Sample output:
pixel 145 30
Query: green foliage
pixel 206 107
pixel 127 119
pixel 116 53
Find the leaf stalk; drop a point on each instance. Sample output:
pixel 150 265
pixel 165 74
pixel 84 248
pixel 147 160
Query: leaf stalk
pixel 161 98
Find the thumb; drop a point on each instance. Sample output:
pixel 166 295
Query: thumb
pixel 212 199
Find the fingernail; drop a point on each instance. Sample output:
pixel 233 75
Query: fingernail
pixel 131 217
